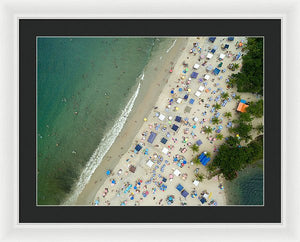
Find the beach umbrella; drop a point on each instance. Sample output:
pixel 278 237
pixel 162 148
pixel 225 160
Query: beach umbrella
pixel 145 119
pixel 172 91
pixel 177 108
pixel 189 90
pixel 108 172
pixel 180 89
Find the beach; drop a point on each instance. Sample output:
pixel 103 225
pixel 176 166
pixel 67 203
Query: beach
pixel 160 172
pixel 156 76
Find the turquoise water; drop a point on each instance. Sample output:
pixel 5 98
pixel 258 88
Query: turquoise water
pixel 83 85
pixel 247 188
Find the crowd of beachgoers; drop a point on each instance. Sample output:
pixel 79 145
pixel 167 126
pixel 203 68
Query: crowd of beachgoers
pixel 158 169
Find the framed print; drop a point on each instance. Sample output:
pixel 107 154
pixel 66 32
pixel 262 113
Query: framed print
pixel 187 131
pixel 47 55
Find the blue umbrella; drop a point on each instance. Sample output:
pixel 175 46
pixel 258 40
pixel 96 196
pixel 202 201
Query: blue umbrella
pixel 108 172
pixel 172 91
pixel 180 89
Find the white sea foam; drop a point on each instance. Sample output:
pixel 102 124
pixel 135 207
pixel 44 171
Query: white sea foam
pixel 171 46
pixel 102 149
pixel 142 76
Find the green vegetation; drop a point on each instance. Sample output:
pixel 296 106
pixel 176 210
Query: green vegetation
pixel 228 114
pixel 217 106
pixel 219 136
pixel 244 117
pixel 243 130
pixel 256 108
pixel 234 66
pixel 200 177
pixel 196 160
pixel 250 78
pixel 208 130
pixel 225 95
pixel 237 97
pixel 215 120
pixel 260 128
pixel 195 148
pixel 233 141
pixel 231 159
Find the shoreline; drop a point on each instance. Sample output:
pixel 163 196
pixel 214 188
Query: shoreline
pixel 142 108
pixel 133 133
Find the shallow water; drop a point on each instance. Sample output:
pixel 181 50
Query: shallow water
pixel 83 86
pixel 247 188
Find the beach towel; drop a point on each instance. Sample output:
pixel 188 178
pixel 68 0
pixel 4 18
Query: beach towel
pixel 151 137
pixel 178 119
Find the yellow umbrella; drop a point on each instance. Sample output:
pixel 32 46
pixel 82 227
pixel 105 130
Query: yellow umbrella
pixel 189 90
pixel 145 119
pixel 210 195
pixel 176 108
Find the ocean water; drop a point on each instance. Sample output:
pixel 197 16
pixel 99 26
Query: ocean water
pixel 247 188
pixel 86 88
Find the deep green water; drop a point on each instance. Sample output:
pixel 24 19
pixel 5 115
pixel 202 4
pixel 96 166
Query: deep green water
pixel 83 85
pixel 247 188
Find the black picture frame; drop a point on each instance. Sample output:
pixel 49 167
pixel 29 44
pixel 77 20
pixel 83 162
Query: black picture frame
pixel 29 29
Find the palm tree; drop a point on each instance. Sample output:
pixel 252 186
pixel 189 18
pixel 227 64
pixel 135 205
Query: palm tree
pixel 219 136
pixel 208 130
pixel 235 66
pixel 237 97
pixel 215 120
pixel 225 95
pixel 208 154
pixel 217 106
pixel 200 177
pixel 196 160
pixel 195 148
pixel 228 114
